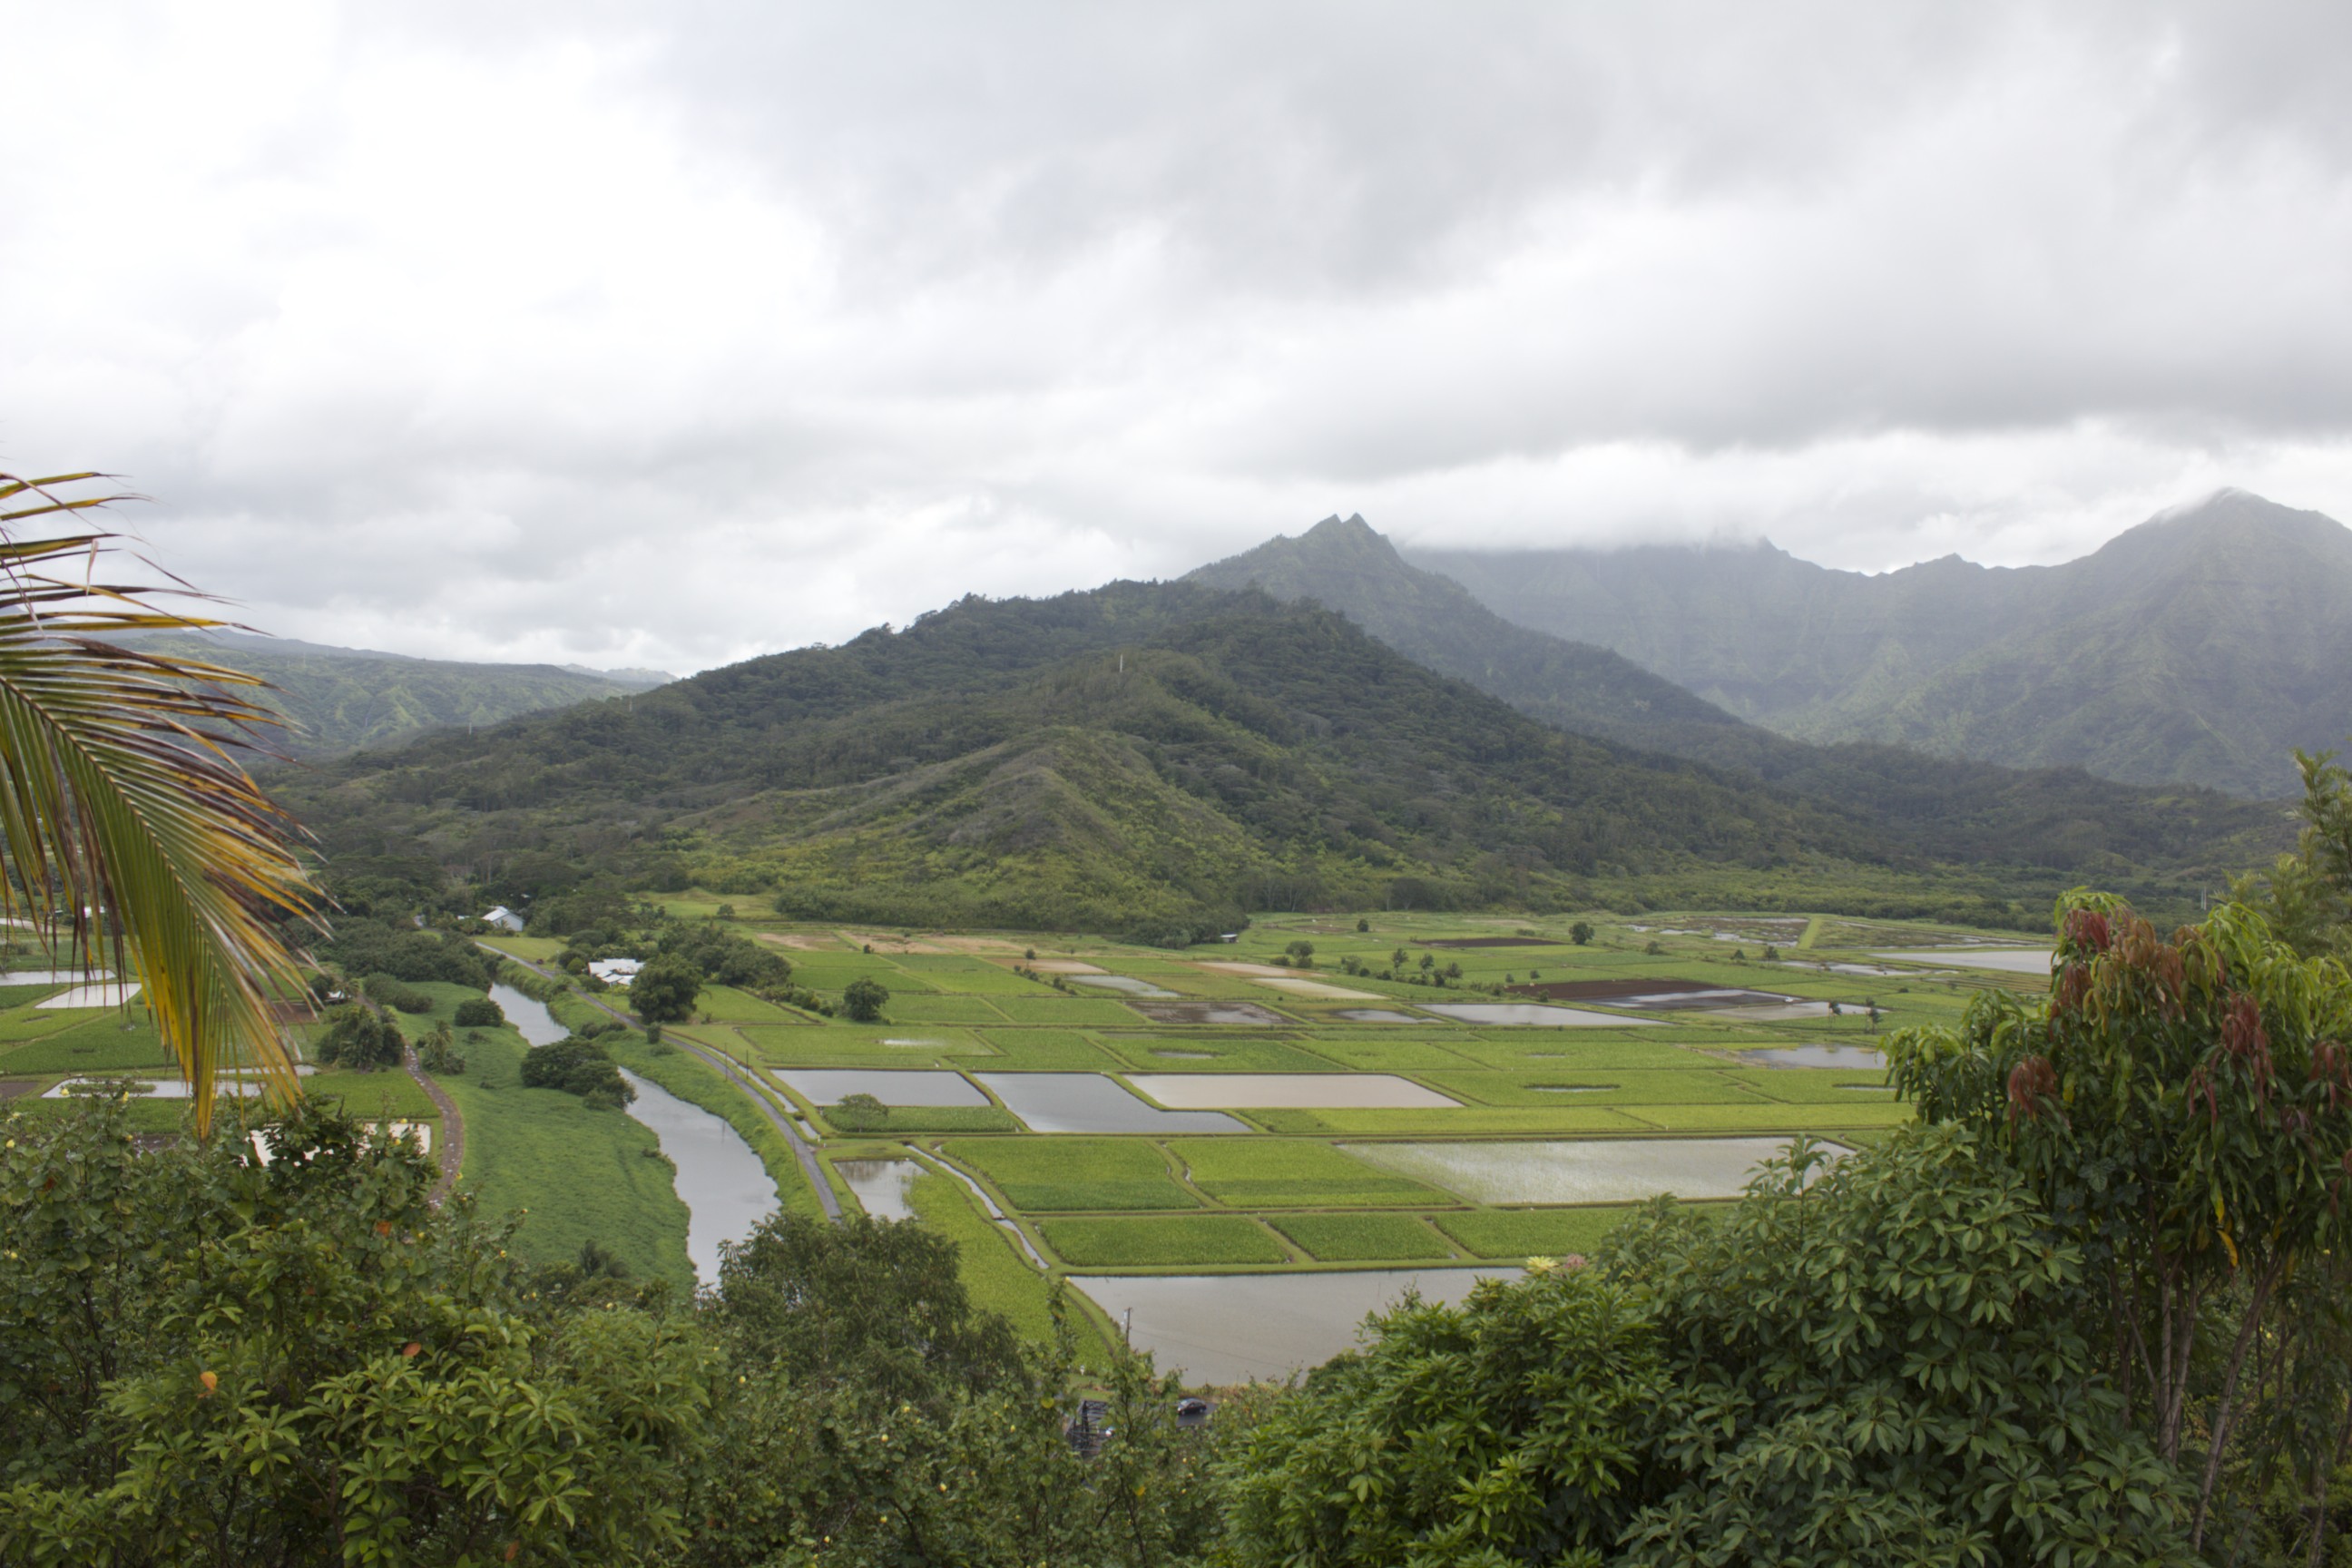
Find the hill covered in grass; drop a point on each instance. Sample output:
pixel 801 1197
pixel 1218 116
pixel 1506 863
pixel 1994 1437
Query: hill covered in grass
pixel 1144 757
pixel 338 699
pixel 2200 647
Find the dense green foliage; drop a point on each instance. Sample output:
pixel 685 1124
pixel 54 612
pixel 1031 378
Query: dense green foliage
pixel 664 989
pixel 861 1000
pixel 1880 1367
pixel 392 992
pixel 478 1013
pixel 580 1067
pixel 2182 1109
pixel 356 1037
pixel 207 1360
pixel 364 946
pixel 2200 647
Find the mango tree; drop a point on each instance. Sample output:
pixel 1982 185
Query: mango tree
pixel 2183 1106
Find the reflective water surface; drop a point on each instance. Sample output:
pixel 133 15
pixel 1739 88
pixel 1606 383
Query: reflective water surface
pixel 1230 1328
pixel 719 1180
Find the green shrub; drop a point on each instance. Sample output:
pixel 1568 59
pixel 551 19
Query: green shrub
pixel 357 1038
pixel 577 1067
pixel 392 992
pixel 480 1013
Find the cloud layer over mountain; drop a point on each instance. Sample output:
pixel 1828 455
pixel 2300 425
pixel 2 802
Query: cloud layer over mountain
pixel 637 333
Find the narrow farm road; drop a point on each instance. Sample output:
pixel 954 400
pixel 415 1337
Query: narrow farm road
pixel 782 1123
pixel 451 1151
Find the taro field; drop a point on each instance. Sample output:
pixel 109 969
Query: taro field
pixel 1426 1093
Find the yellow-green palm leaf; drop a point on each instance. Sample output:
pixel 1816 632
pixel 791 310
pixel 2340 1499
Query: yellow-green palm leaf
pixel 123 811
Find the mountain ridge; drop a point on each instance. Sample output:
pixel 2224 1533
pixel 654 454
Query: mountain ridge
pixel 2201 646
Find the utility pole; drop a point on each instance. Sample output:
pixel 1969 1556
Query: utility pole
pixel 1127 1328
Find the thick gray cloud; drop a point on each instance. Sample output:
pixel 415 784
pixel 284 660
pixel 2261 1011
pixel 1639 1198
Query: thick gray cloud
pixel 665 333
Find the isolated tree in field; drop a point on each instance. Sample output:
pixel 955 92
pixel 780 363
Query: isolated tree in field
pixel 123 810
pixel 357 1040
pixel 1581 933
pixel 664 989
pixel 864 1000
pixel 1302 953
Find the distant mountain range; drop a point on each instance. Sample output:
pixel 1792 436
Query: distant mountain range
pixel 338 699
pixel 2199 648
pixel 1955 809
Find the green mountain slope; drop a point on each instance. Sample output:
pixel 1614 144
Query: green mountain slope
pixel 338 699
pixel 2197 649
pixel 1141 757
pixel 1946 809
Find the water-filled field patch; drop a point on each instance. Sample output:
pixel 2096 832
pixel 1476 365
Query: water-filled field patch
pixel 1859 1059
pixel 1526 1015
pixel 1220 1329
pixel 1775 1011
pixel 1177 1241
pixel 2008 962
pixel 1611 1171
pixel 104 993
pixel 1374 1015
pixel 1257 1172
pixel 1244 1090
pixel 1362 1238
pixel 830 1085
pixel 1184 1055
pixel 882 1186
pixel 1239 1013
pixel 1045 1174
pixel 1544 1119
pixel 1319 990
pixel 1125 983
pixel 1545 1085
pixel 1090 1102
pixel 1068 1011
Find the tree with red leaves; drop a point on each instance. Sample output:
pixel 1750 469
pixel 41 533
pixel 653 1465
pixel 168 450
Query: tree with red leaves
pixel 2183 1107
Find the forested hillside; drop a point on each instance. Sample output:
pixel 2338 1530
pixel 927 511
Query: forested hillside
pixel 1946 808
pixel 1147 757
pixel 338 699
pixel 2200 647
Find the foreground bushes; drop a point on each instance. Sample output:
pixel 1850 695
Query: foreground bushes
pixel 204 1360
pixel 1883 1367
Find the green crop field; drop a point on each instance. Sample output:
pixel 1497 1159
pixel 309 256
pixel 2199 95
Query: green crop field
pixel 107 1042
pixel 1066 1173
pixel 1248 1173
pixel 573 1173
pixel 1186 1241
pixel 1529 1232
pixel 1362 1238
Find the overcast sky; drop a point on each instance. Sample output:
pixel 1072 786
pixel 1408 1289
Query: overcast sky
pixel 670 333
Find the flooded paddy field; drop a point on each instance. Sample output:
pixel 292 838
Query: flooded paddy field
pixel 1127 983
pixel 1617 1171
pixel 1243 1012
pixel 911 1086
pixel 1528 1015
pixel 2034 961
pixel 1242 1091
pixel 1866 1058
pixel 1227 1329
pixel 882 1186
pixel 1090 1102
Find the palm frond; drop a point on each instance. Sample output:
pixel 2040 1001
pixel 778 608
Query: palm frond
pixel 124 813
